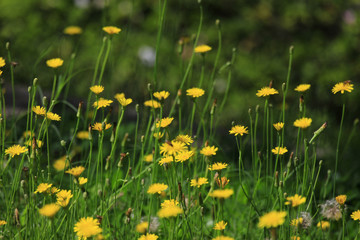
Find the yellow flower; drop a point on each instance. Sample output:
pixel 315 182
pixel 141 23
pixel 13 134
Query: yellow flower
pixel 164 122
pixel 142 227
pixel 209 151
pixel 166 160
pixel 169 203
pixel 223 238
pixel 53 116
pixel 101 103
pixel 184 139
pixel 98 126
pixel 355 215
pixel 148 236
pixel 169 208
pixel 152 103
pixel 295 200
pixel 54 62
pixel 266 91
pixel 238 129
pixel 342 87
pixel 172 148
pixel 198 182
pixel 82 180
pixel 295 238
pixel 323 225
pixel 303 122
pixel 83 135
pixel 49 210
pixel 2 222
pixel 39 110
pixel 278 126
pixel 279 150
pixel 157 188
pixel 222 182
pixel 341 199
pixel 218 166
pixel 73 30
pixel 2 62
pixel 148 158
pixel 302 87
pixel 296 222
pixel 87 227
pixel 272 219
pixel 220 225
pixel 39 143
pixel 61 163
pixel 15 150
pixel 183 156
pixel 43 187
pixel 161 95
pixel 1 72
pixel 54 190
pixel 76 171
pixel 122 100
pixel 63 197
pixel 195 92
pixel 221 193
pixel 202 49
pixel 97 89
pixel 111 30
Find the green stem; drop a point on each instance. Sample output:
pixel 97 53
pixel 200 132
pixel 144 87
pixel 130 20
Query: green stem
pixel 337 148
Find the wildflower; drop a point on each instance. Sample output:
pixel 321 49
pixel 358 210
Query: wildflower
pixel 157 188
pixel 73 30
pixel 272 219
pixel 278 126
pixel 323 225
pixel 166 160
pixel 342 87
pixel 97 89
pixel 172 148
pixel 209 151
pixel 101 103
pixel 164 122
pixel 61 163
pixel 152 103
pixel 341 199
pixel 148 158
pixel 2 222
pixel 355 215
pixel 220 225
pixel 54 62
pixel 302 87
pixel 183 156
pixel 49 210
pixel 198 182
pixel 222 182
pixel 223 238
pixel 53 116
pixel 303 122
pixel 195 92
pixel 111 30
pixel 15 150
pixel 82 180
pixel 39 143
pixel 169 208
pixel 295 200
pixel 331 210
pixel 142 227
pixel 122 100
pixel 98 126
pixel 39 110
pixel 279 150
pixel 63 197
pixel 158 135
pixel 296 222
pixel 266 91
pixel 0 75
pixel 169 203
pixel 238 129
pixel 184 139
pixel 76 171
pixel 295 238
pixel 83 135
pixel 202 49
pixel 221 193
pixel 218 166
pixel 2 62
pixel 43 187
pixel 54 190
pixel 87 227
pixel 161 95
pixel 148 236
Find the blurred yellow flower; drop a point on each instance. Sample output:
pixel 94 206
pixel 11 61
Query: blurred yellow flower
pixel 279 150
pixel 223 238
pixel 83 135
pixel 272 219
pixel 152 103
pixel 63 197
pixel 76 171
pixel 2 62
pixel 101 103
pixel 15 150
pixel 111 30
pixel 164 122
pixel 2 222
pixel 302 87
pixel 195 92
pixel 148 236
pixel 202 49
pixel 142 227
pixel 87 227
pixel 169 208
pixel 341 199
pixel 303 122
pixel 355 215
pixel 61 163
pixel 97 89
pixel 278 126
pixel 296 222
pixel 266 91
pixel 342 87
pixel 221 193
pixel 323 225
pixel 157 188
pixel 82 180
pixel 49 210
pixel 220 225
pixel 218 166
pixel 161 95
pixel 148 158
pixel 295 200
pixel 209 151
pixel 54 62
pixel 43 188
pixel 198 182
pixel 239 130
pixel 122 100
pixel 73 30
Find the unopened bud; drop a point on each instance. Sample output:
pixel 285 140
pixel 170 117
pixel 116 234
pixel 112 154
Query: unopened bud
pixel 29 89
pixel 63 143
pixel 35 81
pixel 320 162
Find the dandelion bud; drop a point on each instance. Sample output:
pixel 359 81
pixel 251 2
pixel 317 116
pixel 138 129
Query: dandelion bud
pixel 142 138
pixel 329 173
pixel 7 45
pixel 320 162
pixel 284 174
pixel 317 132
pixel 199 1
pixel 26 196
pixel 149 87
pixel 79 109
pixel 137 108
pixel 257 108
pixel 112 137
pixel 179 188
pixel 107 163
pixel 63 143
pixel 84 195
pixel 22 183
pixel 99 193
pixel 107 182
pixel 201 209
pixel 142 182
pixel 29 89
pixel 90 135
pixel 295 161
pixel 16 216
pixel 249 111
pixel 291 49
pixel 73 55
pixel 104 39
pixel 217 22
pixel 44 100
pixel 285 194
pixel 283 87
pixel 281 184
pixel 35 81
pixel 356 121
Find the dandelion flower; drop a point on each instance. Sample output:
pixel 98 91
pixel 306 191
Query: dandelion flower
pixel 87 227
pixel 341 199
pixel 223 238
pixel 166 160
pixel 331 210
pixel 63 197
pixel 158 135
pixel 83 135
pixel 157 188
pixel 152 103
pixel 195 92
pixel 198 182
pixel 101 103
pixel 98 126
pixel 15 150
pixel 82 180
pixel 266 91
pixel 148 236
pixel 209 151
pixel 295 238
pixel 183 156
pixel 39 110
pixel 54 190
pixel 53 116
pixel 169 208
pixel 76 171
pixel 296 222
pixel 218 166
pixel 54 62
pixel 97 89
pixel 172 148
pixel 148 158
pixel 73 30
pixel 355 215
pixel 239 130
pixel 323 225
pixel 43 187
pixel 61 163
pixel 49 210
pixel 142 227
pixel 2 62
pixel 222 182
pixel 272 219
pixel 302 87
pixel 220 225
pixel 2 222
pixel 342 87
pixel 184 139
pixel 164 122
pixel 295 200
pixel 278 126
pixel 279 150
pixel 111 30
pixel 303 122
pixel 161 95
pixel 221 193
pixel 202 49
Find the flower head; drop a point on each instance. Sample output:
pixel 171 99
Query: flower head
pixel 266 91
pixel 218 166
pixel 101 103
pixel 63 197
pixel 202 49
pixel 82 180
pixel 87 227
pixel 355 215
pixel 2 222
pixel 111 30
pixel 278 126
pixel 223 238
pixel 73 30
pixel 323 225
pixel 198 182
pixel 302 87
pixel 295 200
pixel 184 139
pixel 97 89
pixel 239 130
pixel 164 122
pixel 296 222
pixel 49 210
pixel 61 163
pixel 15 150
pixel 54 62
pixel 76 171
pixel 39 110
pixel 148 236
pixel 279 150
pixel 220 225
pixel 157 188
pixel 142 227
pixel 122 100
pixel 331 210
pixel 43 187
pixel 272 219
pixel 303 122
pixel 99 126
pixel 166 160
pixel 341 199
pixel 2 62
pixel 53 116
pixel 221 193
pixel 83 135
pixel 169 208
pixel 161 95
pixel 152 103
pixel 148 157
pixel 183 156
pixel 342 87
pixel 172 148
pixel 209 151
pixel 195 92
pixel 222 182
